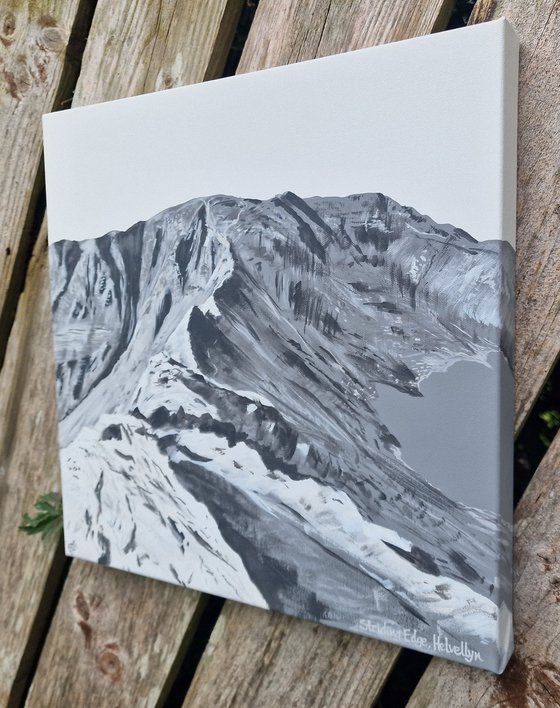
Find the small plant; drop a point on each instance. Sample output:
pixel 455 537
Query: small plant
pixel 48 519
pixel 551 418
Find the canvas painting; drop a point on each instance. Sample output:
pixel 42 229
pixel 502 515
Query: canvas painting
pixel 283 328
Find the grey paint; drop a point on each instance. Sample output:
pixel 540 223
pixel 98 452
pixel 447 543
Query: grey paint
pixel 466 408
pixel 260 348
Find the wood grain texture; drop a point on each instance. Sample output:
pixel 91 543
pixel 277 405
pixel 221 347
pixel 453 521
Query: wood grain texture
pixel 138 47
pixel 532 679
pixel 269 660
pixel 537 23
pixel 129 51
pixel 39 46
pixel 289 31
pixel 115 642
pixel 28 465
pixel 280 661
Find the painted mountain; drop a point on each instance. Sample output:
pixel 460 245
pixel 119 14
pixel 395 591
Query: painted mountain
pixel 221 369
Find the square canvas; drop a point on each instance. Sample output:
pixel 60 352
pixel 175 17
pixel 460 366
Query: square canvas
pixel 283 323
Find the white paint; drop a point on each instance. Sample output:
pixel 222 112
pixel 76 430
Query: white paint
pixel 334 520
pixel 429 122
pixel 119 497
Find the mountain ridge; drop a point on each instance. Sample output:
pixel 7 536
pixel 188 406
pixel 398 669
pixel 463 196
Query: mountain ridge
pixel 233 329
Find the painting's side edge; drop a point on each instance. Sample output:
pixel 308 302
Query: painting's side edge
pixel 510 63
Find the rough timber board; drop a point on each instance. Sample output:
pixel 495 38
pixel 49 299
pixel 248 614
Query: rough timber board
pixel 128 32
pixel 29 462
pixel 532 677
pixel 138 47
pixel 537 309
pixel 114 640
pixel 39 44
pixel 289 31
pixel 282 661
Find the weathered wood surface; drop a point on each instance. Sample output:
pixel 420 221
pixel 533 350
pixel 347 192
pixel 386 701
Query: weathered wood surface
pixel 115 641
pixel 137 47
pixel 532 679
pixel 537 23
pixel 270 665
pixel 262 659
pixel 128 52
pixel 28 463
pixel 533 676
pixel 289 31
pixel 39 49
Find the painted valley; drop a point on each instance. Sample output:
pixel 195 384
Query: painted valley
pixel 227 376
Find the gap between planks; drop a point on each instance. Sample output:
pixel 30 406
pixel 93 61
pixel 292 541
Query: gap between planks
pixel 532 675
pixel 321 39
pixel 40 56
pixel 190 45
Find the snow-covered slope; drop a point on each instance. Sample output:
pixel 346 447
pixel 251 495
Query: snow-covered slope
pixel 217 369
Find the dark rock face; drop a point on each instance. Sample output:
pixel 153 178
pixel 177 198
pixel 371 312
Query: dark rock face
pixel 246 338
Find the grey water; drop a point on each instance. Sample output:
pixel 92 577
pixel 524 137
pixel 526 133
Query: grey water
pixel 459 434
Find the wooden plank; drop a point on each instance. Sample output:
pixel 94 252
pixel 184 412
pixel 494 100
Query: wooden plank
pixel 258 658
pixel 29 462
pixel 279 660
pixel 289 31
pixel 182 47
pixel 115 640
pixel 39 48
pixel 138 47
pixel 538 213
pixel 533 676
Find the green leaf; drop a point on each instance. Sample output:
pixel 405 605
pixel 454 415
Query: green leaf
pixel 48 519
pixel 551 419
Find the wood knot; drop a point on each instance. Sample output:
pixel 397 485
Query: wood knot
pixel 51 39
pixel 46 21
pixel 109 663
pixel 18 80
pixel 8 28
pixel 81 605
pixel 95 601
pixel 87 631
